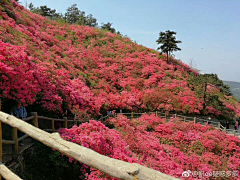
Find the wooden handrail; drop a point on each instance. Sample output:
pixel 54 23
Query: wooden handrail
pixel 9 142
pixel 28 118
pixel 194 119
pixel 60 147
pixel 113 167
pixel 50 119
pixel 35 123
pixel 8 174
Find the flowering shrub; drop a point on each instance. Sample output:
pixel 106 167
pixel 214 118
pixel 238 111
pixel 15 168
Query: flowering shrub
pixel 91 70
pixel 45 61
pixel 96 136
pixel 169 147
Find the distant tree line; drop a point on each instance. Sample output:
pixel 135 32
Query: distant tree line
pixel 72 16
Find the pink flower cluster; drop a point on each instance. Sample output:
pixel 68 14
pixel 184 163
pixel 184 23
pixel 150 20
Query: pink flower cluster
pixel 169 147
pixel 52 63
pixel 96 136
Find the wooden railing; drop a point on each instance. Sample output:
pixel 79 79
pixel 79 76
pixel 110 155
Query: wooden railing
pixel 34 118
pixel 201 121
pixel 113 167
pixel 119 169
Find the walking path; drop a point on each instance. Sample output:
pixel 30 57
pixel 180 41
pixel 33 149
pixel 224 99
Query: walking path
pixel 214 122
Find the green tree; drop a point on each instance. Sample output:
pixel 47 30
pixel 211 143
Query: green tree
pixel 74 16
pixel 90 21
pixel 168 41
pixel 201 83
pixel 108 27
pixel 45 12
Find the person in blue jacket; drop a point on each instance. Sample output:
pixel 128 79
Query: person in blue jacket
pixel 20 112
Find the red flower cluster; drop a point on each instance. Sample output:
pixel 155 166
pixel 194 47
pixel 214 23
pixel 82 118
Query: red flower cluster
pixel 169 147
pixel 44 61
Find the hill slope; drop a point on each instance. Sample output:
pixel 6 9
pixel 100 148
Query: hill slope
pixel 64 66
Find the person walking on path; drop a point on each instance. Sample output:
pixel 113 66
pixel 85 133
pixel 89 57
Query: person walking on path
pixel 228 125
pixel 20 112
pixel 236 125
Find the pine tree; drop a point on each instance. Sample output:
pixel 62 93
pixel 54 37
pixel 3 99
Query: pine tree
pixel 168 41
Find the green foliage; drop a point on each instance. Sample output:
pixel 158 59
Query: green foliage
pixel 168 41
pixel 108 27
pixel 74 16
pixel 46 12
pixel 44 163
pixel 197 148
pixel 5 9
pixel 210 88
pixel 164 141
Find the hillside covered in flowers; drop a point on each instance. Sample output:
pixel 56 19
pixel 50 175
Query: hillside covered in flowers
pixel 62 66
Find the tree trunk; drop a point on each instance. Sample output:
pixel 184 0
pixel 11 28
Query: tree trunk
pixel 204 97
pixel 167 57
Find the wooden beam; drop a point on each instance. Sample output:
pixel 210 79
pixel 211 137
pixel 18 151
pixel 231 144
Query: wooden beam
pixel 9 142
pixel 7 174
pixel 35 119
pixel 53 126
pixel 113 167
pixel 0 141
pixel 65 122
pixel 28 118
pixel 15 139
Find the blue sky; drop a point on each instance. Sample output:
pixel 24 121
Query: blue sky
pixel 209 29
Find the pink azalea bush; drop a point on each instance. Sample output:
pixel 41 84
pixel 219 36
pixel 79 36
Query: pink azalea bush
pixel 96 136
pixel 169 147
pixel 89 68
pixel 42 61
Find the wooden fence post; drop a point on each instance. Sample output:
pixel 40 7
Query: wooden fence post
pixel 194 120
pixel 185 117
pixel 53 127
pixel 166 116
pixel 156 114
pixel 35 119
pixel 219 125
pixel 65 122
pixel 0 141
pixel 15 138
pixel 132 115
pixel 225 129
pixel 175 115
